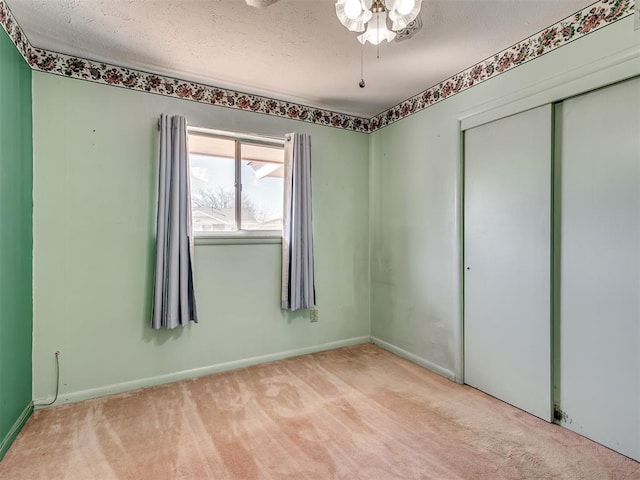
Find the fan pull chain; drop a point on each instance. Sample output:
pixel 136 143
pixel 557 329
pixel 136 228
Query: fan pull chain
pixel 362 84
pixel 378 35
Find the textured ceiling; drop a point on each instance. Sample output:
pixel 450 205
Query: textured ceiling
pixel 294 50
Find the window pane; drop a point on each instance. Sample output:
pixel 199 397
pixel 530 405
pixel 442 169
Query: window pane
pixel 262 187
pixel 213 195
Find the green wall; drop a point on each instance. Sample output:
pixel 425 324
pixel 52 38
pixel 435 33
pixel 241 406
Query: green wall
pixel 386 224
pixel 15 240
pixel 95 154
pixel 416 181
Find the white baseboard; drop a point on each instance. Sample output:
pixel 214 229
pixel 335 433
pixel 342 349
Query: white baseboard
pixel 15 429
pixel 78 396
pixel 444 372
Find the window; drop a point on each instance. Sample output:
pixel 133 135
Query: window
pixel 236 183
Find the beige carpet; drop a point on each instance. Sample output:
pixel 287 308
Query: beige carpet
pixel 353 413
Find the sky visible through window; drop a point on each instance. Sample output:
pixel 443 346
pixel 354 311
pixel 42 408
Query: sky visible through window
pixel 216 175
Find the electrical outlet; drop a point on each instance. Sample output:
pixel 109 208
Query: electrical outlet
pixel 636 16
pixel 314 315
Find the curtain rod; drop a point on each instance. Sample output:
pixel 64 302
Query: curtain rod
pixel 238 135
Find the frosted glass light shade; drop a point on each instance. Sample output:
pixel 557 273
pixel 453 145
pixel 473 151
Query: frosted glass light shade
pixel 260 3
pixel 345 9
pixel 397 9
pixel 377 30
pixel 405 7
pixel 357 16
pixel 352 9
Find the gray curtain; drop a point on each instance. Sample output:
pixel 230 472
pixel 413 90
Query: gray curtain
pixel 298 288
pixel 174 300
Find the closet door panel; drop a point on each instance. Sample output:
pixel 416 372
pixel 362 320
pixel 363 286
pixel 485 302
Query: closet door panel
pixel 507 248
pixel 598 155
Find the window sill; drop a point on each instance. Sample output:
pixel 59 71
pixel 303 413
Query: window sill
pixel 258 238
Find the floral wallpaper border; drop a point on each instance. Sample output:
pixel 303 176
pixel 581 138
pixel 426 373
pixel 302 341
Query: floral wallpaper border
pixel 591 18
pixel 80 68
pixel 587 20
pixel 14 31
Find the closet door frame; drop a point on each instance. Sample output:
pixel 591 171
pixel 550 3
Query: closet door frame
pixel 621 69
pixel 597 74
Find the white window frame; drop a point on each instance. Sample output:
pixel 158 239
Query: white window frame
pixel 252 236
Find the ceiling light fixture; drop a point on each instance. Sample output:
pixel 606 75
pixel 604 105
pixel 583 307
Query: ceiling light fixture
pixel 372 17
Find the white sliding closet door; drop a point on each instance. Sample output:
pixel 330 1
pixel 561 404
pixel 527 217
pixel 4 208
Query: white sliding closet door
pixel 598 161
pixel 507 249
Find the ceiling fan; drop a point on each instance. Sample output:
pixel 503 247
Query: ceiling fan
pixel 372 16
